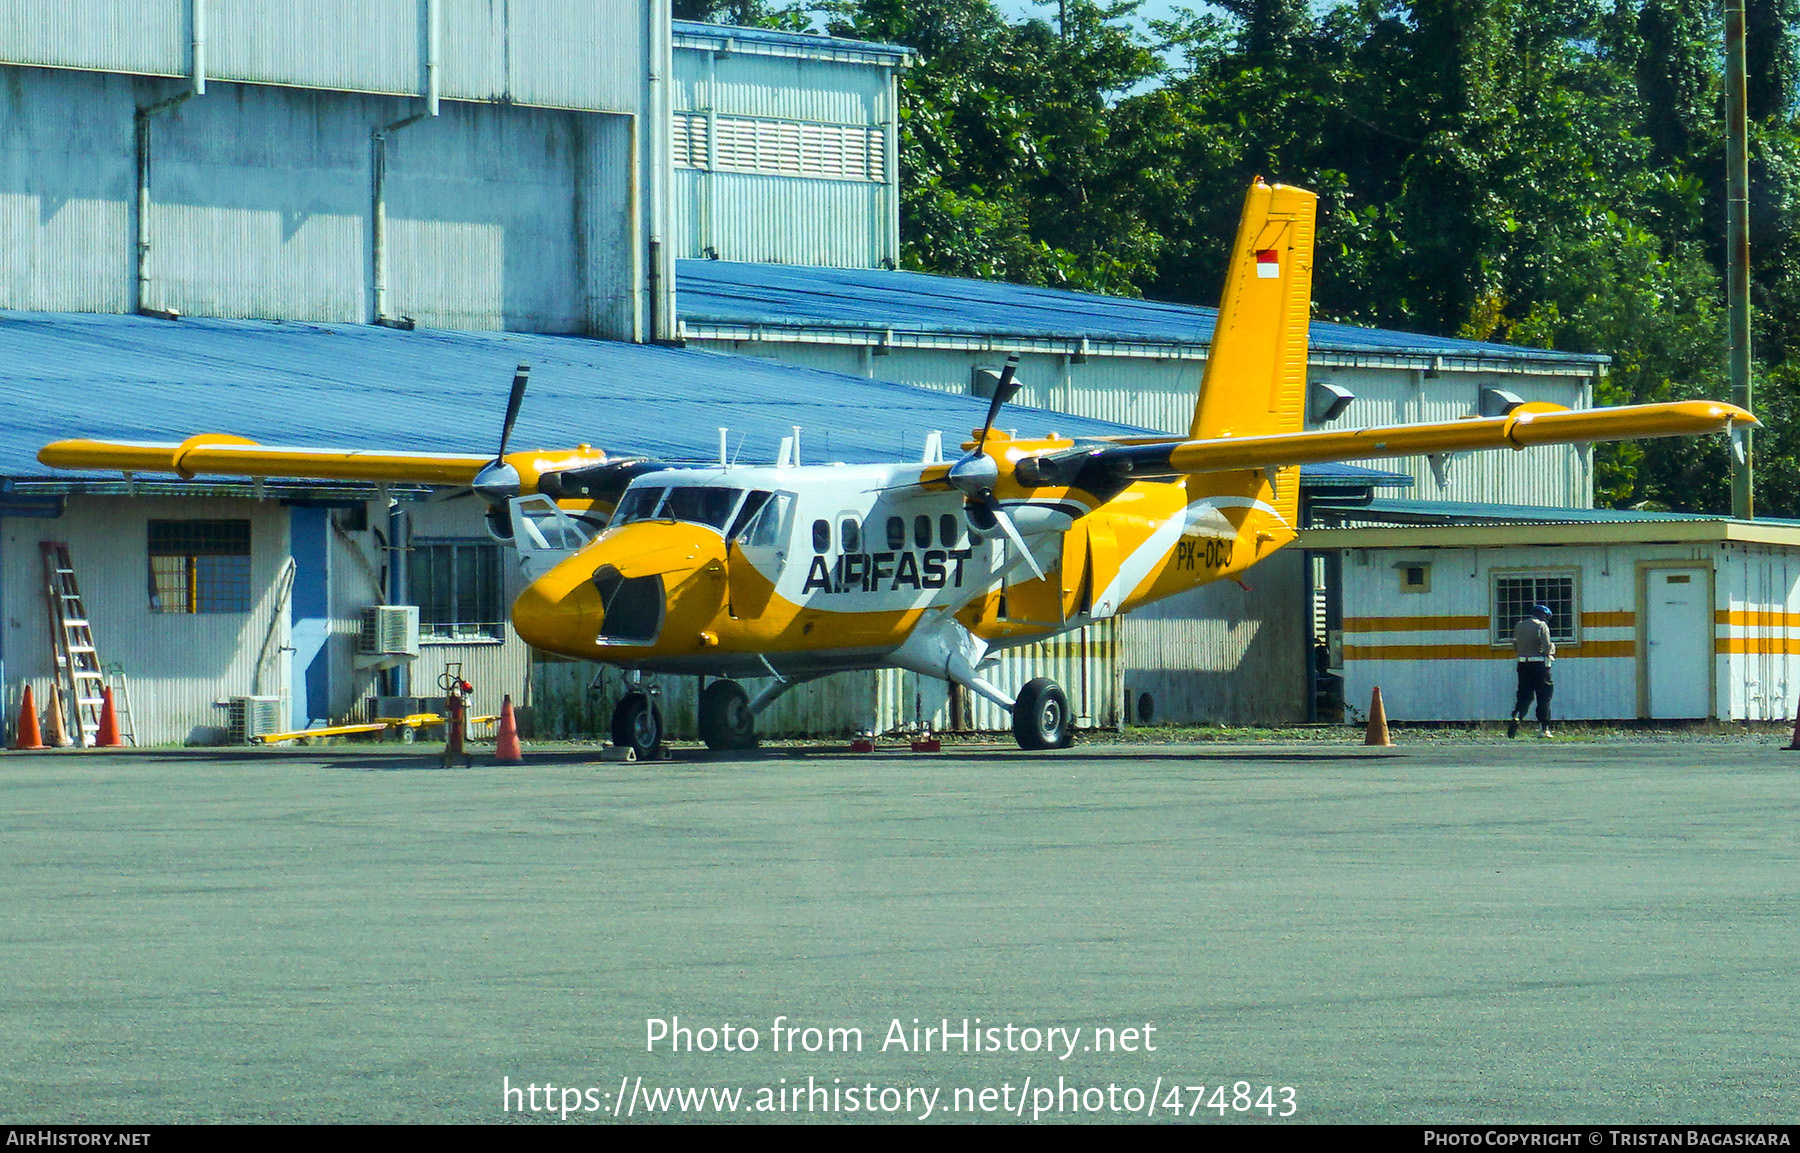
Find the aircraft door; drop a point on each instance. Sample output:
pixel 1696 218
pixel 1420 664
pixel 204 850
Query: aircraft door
pixel 1035 601
pixel 756 552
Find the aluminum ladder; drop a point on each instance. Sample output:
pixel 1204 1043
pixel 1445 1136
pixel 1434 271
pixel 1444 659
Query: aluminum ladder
pixel 72 639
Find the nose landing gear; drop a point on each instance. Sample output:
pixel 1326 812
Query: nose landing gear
pixel 637 723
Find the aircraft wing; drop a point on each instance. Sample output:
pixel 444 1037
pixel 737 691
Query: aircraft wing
pixel 234 456
pixel 1528 425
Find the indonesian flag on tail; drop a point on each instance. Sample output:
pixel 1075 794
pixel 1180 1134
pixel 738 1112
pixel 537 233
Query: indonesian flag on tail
pixel 1268 264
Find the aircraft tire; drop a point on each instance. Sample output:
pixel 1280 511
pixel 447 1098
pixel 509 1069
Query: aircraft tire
pixel 1041 717
pixel 637 724
pixel 726 721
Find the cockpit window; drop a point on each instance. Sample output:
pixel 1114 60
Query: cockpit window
pixel 708 506
pixel 752 505
pixel 637 504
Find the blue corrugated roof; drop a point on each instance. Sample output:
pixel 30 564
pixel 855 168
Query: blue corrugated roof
pixel 357 386
pixel 802 40
pixel 729 292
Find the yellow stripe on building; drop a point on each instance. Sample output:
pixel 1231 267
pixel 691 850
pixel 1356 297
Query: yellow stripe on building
pixel 1411 624
pixel 1757 618
pixel 1480 652
pixel 1756 646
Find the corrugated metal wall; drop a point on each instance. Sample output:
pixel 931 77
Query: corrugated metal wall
pixel 780 219
pixel 580 54
pixel 1554 476
pixel 1224 654
pixel 181 666
pixel 785 219
pixel 1758 628
pixel 67 180
pixel 747 84
pixel 260 206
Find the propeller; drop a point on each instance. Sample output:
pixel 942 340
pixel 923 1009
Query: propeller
pixel 976 474
pixel 499 481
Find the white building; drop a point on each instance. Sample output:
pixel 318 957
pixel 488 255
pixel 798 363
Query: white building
pixel 1656 616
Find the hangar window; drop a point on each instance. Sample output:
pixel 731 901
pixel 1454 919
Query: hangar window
pixel 1516 592
pixel 457 586
pixel 200 566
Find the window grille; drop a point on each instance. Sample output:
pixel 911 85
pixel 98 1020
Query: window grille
pixel 457 586
pixel 199 566
pixel 1515 593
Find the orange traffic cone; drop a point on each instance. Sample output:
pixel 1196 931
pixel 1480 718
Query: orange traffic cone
pixel 506 737
pixel 56 733
pixel 108 736
pixel 1378 731
pixel 28 736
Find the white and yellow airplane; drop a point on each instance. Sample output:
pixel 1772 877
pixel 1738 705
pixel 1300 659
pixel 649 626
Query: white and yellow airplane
pixel 798 571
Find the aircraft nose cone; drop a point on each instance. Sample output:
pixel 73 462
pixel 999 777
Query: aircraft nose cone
pixel 558 617
pixel 628 590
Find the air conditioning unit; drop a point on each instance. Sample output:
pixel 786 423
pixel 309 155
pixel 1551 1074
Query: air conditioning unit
pixel 252 717
pixel 389 631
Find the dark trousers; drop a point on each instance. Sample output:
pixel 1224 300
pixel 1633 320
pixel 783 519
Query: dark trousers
pixel 1534 680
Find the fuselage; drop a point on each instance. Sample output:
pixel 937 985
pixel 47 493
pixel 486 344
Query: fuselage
pixel 803 570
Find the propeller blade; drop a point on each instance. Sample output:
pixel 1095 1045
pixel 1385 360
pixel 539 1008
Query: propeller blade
pixel 520 378
pixel 1003 392
pixel 999 516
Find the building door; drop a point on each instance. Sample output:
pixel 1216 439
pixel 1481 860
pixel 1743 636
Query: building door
pixel 1677 635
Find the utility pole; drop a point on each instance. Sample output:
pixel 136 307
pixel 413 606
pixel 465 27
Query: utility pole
pixel 1737 248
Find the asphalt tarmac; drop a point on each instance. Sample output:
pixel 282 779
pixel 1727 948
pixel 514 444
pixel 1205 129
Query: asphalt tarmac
pixel 1483 932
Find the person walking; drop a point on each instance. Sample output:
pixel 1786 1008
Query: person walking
pixel 1536 651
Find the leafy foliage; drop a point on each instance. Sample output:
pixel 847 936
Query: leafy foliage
pixel 1548 172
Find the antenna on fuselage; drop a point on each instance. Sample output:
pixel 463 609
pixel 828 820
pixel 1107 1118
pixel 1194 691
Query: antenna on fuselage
pixel 789 456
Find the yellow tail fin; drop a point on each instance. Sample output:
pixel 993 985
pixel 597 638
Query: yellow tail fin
pixel 1255 382
pixel 1255 379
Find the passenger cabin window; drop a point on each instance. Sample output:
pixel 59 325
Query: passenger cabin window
pixel 896 532
pixel 850 534
pixel 949 529
pixel 821 536
pixel 922 531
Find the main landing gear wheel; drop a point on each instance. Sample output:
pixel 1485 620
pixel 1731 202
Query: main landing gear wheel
pixel 1041 718
pixel 726 721
pixel 637 725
